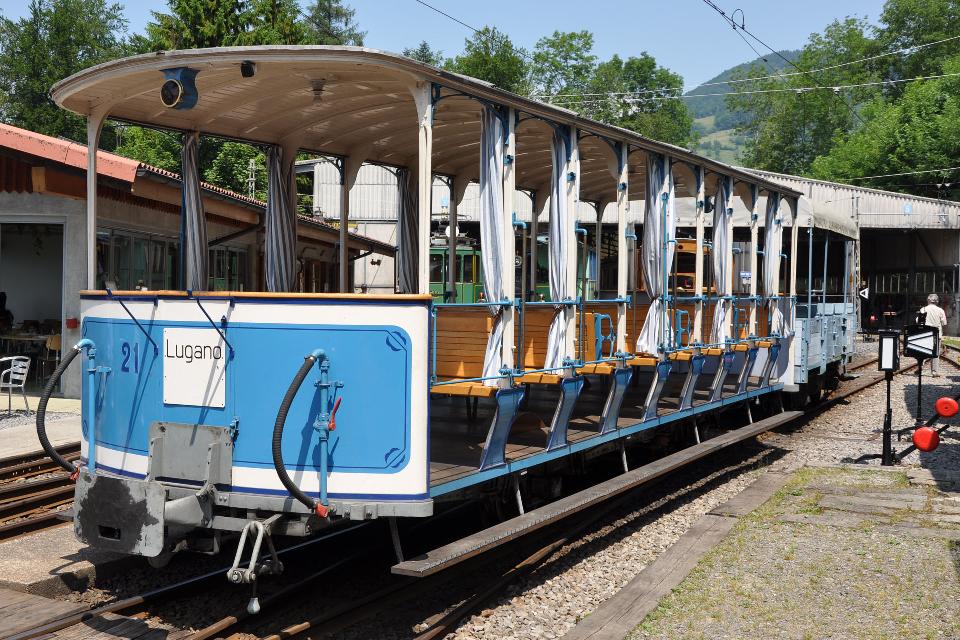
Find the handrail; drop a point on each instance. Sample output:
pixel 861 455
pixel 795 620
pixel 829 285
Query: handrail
pixel 110 295
pixel 210 320
pixel 494 303
pixel 522 372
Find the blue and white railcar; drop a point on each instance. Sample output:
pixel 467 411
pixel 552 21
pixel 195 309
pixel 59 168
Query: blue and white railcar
pixel 280 413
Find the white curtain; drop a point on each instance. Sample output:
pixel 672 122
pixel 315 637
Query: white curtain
pixel 772 247
pixel 193 223
pixel 280 230
pixel 558 238
pixel 407 224
pixel 491 235
pixel 659 229
pixel 721 247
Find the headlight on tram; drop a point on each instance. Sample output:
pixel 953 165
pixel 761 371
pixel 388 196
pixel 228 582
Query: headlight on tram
pixel 179 90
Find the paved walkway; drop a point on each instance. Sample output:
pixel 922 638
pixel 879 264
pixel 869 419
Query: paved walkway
pixel 836 552
pixel 22 437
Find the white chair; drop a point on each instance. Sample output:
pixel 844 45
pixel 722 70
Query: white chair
pixel 15 377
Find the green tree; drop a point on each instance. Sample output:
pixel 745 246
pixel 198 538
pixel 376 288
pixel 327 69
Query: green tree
pixel 788 126
pixel 333 22
pixel 909 23
pixel 274 22
pixel 635 94
pixel 425 54
pixel 194 24
pixel 157 148
pixel 562 63
pixel 54 40
pixel 231 169
pixel 490 55
pixel 918 131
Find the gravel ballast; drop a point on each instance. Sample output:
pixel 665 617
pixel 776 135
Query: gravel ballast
pixel 575 582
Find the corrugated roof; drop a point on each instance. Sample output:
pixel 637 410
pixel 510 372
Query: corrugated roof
pixel 847 205
pixel 67 152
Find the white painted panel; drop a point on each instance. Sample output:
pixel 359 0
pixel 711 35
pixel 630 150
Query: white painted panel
pixel 194 367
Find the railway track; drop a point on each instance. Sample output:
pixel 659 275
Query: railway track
pixel 279 622
pixel 33 490
pixel 445 622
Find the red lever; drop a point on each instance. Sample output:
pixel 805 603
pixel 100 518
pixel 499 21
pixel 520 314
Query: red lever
pixel 333 414
pixel 75 474
pixel 321 510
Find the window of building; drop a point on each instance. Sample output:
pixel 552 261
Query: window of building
pixel 129 259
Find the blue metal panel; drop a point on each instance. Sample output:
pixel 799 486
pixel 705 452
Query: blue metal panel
pixel 374 363
pixel 570 389
pixel 495 448
pixel 611 408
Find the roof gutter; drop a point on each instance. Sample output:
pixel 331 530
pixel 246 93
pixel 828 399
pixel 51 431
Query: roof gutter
pixel 257 226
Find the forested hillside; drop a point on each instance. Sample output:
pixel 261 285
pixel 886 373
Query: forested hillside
pixel 714 121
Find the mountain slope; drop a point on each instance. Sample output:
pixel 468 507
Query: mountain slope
pixel 715 122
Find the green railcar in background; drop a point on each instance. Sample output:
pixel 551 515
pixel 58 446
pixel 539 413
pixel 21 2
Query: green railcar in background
pixel 469 281
pixel 469 274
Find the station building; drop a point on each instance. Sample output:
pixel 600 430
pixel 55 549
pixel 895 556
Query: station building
pixel 43 238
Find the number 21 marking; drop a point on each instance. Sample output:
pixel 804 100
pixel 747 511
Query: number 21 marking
pixel 126 352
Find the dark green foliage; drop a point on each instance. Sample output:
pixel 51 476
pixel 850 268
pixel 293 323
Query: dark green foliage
pixel 231 169
pixel 54 40
pixel 891 128
pixel 562 63
pixel 646 111
pixel 332 22
pixel 423 53
pixel 157 148
pixel 786 130
pixel 490 55
pixel 917 131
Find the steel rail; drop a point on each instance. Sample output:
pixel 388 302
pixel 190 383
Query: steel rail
pixel 373 604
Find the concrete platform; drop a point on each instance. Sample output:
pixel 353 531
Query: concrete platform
pixel 834 548
pixel 53 562
pixel 22 438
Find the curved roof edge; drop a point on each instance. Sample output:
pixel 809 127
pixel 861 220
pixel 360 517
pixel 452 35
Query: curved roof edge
pixel 63 90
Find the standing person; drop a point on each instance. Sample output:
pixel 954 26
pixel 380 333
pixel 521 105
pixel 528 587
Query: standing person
pixel 935 317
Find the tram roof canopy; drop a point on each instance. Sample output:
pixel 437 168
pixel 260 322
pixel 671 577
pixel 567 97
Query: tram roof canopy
pixel 354 101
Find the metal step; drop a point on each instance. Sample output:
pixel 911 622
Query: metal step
pixel 455 552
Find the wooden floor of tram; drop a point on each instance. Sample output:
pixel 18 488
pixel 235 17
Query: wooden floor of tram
pixel 456 444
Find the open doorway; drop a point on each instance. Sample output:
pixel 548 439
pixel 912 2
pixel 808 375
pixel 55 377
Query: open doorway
pixel 31 276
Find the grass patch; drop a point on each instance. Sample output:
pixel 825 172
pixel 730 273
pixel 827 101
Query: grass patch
pixel 772 578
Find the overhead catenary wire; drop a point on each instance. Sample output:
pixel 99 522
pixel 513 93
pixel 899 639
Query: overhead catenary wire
pixel 798 90
pixel 743 28
pixel 778 76
pixel 476 31
pixel 907 173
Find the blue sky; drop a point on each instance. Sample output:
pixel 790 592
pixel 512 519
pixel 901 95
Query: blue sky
pixel 684 35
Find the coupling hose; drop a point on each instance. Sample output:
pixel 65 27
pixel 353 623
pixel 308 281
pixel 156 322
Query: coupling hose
pixel 291 486
pixel 48 390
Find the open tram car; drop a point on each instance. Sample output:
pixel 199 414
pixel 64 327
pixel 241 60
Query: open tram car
pixel 285 412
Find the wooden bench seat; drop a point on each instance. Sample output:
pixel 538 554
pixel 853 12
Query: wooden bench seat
pixel 461 346
pixel 464 389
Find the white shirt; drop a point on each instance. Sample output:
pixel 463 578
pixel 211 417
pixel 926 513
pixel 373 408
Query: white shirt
pixel 935 316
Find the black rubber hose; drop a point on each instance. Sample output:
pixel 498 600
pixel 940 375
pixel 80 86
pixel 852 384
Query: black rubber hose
pixel 42 411
pixel 291 486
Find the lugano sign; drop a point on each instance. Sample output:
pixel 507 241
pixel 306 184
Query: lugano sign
pixel 194 368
